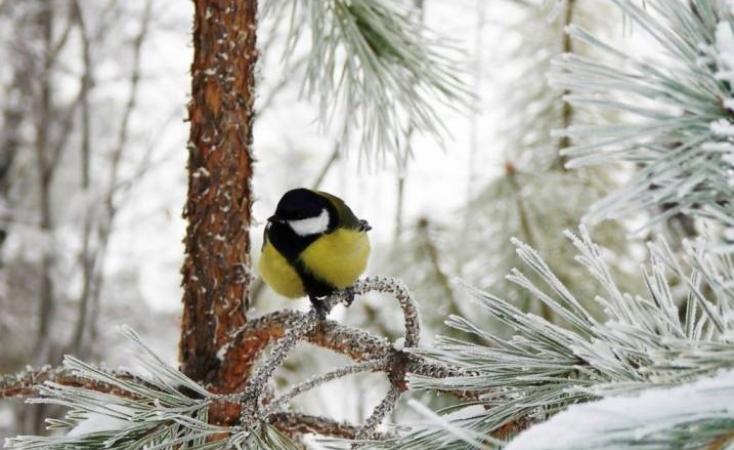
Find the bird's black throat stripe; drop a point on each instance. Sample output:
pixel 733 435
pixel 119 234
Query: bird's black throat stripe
pixel 287 242
pixel 313 286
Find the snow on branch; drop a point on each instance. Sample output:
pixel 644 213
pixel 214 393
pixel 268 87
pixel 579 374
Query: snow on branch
pixel 694 415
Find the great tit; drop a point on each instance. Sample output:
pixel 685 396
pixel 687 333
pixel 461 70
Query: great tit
pixel 313 245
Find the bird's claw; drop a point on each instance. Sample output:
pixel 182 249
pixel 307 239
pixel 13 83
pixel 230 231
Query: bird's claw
pixel 349 295
pixel 320 307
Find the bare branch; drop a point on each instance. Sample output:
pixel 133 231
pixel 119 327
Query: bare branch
pixel 326 167
pixel 135 75
pixel 105 229
pixel 256 384
pixel 267 102
pixel 438 272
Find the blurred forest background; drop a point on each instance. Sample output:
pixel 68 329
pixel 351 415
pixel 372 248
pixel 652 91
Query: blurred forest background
pixel 93 181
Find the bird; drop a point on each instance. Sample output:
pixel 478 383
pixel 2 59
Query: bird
pixel 315 246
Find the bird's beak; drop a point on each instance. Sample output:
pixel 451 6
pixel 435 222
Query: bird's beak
pixel 275 219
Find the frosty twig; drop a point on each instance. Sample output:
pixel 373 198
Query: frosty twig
pixel 324 378
pixel 307 324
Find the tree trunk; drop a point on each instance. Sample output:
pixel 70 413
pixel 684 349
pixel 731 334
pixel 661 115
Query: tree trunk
pixel 216 271
pixel 44 166
pixel 10 143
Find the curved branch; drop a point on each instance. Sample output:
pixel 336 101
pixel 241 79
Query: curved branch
pixel 306 324
pixel 379 413
pixel 256 384
pixel 253 338
pixel 369 366
pixel 397 289
pixel 259 333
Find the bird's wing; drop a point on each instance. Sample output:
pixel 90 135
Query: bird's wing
pixel 346 216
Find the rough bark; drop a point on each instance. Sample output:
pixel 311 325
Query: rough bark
pixel 216 271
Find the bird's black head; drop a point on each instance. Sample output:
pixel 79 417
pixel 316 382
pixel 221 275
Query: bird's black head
pixel 305 213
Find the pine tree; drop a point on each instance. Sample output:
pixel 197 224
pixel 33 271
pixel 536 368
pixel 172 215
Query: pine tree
pixel 216 270
pixel 615 350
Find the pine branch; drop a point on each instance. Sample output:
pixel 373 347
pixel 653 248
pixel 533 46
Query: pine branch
pixel 523 201
pixel 28 382
pixel 376 65
pixel 180 406
pixel 642 342
pixel 359 345
pixel 677 111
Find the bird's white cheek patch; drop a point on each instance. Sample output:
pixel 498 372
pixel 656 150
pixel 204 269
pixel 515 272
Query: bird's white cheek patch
pixel 312 225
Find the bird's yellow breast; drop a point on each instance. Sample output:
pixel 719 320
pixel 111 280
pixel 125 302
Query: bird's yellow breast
pixel 279 274
pixel 338 258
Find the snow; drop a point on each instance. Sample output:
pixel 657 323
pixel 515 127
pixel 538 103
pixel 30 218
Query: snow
pixel 99 422
pixel 581 425
pixel 222 351
pixel 399 344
